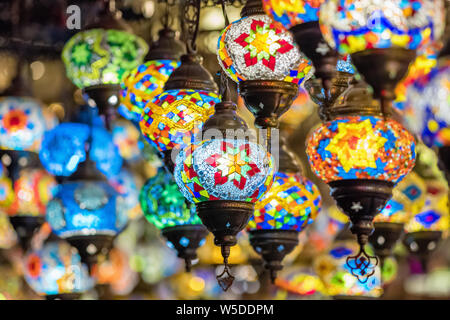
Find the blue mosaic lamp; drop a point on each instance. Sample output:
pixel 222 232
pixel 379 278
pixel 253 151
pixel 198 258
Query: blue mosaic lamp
pixel 63 149
pixel 166 208
pixel 87 211
pixel 55 271
pixel 291 203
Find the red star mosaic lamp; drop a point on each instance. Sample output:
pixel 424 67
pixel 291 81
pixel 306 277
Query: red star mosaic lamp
pixel 301 17
pixel 266 63
pixel 224 176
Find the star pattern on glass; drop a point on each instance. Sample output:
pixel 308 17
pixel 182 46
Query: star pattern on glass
pixel 262 44
pixel 356 145
pixel 233 164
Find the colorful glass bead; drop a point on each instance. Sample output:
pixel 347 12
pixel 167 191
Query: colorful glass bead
pixel 356 25
pixel 175 116
pixel 144 83
pixel 361 147
pixel 255 48
pixel 224 169
pixel 290 13
pixel 99 56
pixel 22 124
pixel 163 203
pixel 56 268
pixel 290 203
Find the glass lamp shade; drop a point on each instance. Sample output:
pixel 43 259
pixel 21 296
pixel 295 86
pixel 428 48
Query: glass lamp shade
pixel 63 149
pixel 175 116
pixel 290 13
pixel 84 209
pixel 22 124
pixel 33 189
pixel 361 147
pixel 356 25
pixel 163 203
pixel 434 215
pixel 336 275
pixel 396 209
pixel 255 48
pixel 424 63
pixel 144 83
pixel 429 101
pixel 98 56
pixel 126 138
pixel 56 268
pixel 224 169
pixel 290 203
pixel 124 183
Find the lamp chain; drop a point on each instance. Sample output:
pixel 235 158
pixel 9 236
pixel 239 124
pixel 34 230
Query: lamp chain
pixel 191 19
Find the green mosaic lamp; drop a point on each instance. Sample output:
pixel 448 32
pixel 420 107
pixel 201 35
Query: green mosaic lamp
pixel 165 207
pixel 97 58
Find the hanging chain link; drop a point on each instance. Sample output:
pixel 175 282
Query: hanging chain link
pixel 191 19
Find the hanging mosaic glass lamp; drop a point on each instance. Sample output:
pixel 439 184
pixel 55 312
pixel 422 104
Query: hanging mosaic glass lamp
pixel 265 62
pixel 381 37
pixel 172 119
pixel 87 210
pixel 408 198
pixel 224 175
pixel 362 154
pixel 339 83
pixel 146 81
pixel 389 225
pixel 301 18
pixel 63 148
pixel 29 186
pixel 166 208
pixel 97 58
pixel 55 271
pixel 427 227
pixel 283 212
